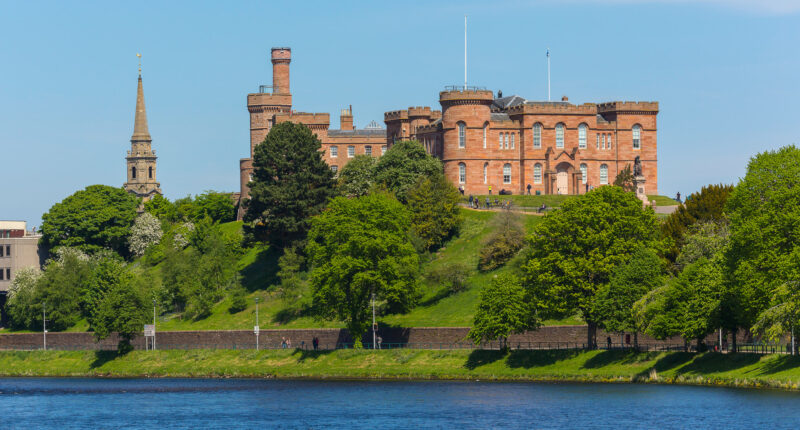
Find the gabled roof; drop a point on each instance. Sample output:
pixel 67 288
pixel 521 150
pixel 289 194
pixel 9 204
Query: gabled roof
pixel 507 102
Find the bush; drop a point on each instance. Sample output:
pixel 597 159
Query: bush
pixel 506 239
pixel 238 300
pixel 453 276
pixel 146 231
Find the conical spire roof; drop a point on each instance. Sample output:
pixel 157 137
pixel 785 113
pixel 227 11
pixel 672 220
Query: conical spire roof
pixel 140 131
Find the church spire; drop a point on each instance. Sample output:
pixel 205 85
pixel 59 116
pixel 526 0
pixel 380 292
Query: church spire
pixel 140 131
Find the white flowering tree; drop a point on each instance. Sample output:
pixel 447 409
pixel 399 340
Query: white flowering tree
pixel 146 231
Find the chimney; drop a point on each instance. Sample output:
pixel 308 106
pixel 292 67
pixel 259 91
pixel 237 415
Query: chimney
pixel 346 119
pixel 564 98
pixel 281 57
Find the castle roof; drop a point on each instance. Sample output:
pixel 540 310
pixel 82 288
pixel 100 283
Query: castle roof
pixel 507 102
pixel 499 116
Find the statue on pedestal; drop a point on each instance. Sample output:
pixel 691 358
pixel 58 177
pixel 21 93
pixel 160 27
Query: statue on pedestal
pixel 637 166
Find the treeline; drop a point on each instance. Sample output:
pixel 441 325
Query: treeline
pixel 727 259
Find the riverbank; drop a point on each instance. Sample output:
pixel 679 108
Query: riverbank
pixel 739 370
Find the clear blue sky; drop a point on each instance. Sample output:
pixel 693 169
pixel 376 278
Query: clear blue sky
pixel 725 72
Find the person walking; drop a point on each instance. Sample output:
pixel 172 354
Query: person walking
pixel 529 189
pixel 488 203
pixel 315 342
pixel 470 200
pixel 490 190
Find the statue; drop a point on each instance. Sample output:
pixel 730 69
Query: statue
pixel 637 167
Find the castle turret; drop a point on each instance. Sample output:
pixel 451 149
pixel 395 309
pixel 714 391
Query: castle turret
pixel 141 159
pixel 281 57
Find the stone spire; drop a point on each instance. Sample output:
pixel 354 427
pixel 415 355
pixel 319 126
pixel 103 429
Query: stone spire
pixel 140 131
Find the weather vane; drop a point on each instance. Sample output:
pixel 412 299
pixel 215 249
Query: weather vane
pixel 140 63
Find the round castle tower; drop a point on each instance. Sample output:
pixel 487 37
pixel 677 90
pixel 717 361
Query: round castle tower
pixel 465 111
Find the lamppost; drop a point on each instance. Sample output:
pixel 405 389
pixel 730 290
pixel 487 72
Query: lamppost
pixel 374 326
pixel 154 325
pixel 44 326
pixel 256 328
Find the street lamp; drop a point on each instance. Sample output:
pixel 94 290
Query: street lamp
pixel 154 324
pixel 374 327
pixel 44 326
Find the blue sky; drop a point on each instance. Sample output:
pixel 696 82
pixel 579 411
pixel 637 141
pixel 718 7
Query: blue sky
pixel 724 71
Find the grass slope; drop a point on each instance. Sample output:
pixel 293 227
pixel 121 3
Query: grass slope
pixel 751 370
pixel 534 201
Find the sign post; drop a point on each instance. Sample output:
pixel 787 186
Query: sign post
pixel 255 328
pixel 150 332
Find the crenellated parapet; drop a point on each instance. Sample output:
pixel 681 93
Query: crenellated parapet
pixel 396 115
pixel 452 97
pixel 650 108
pixel 547 108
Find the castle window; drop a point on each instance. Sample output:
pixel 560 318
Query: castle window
pixel 485 173
pixel 368 150
pixel 584 176
pixel 334 151
pixel 537 173
pixel 610 139
pixel 603 174
pixel 582 136
pixel 351 151
pixel 559 135
pixel 512 140
pixel 604 142
pixel 133 172
pixel 462 135
pixel 501 140
pixel 598 140
pixel 506 173
pixel 485 131
pixel 462 173
pixel 506 144
pixel 637 136
pixel 251 177
pixel 537 136
pixel 150 172
pixel 383 149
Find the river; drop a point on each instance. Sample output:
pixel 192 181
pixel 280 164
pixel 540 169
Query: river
pixel 79 403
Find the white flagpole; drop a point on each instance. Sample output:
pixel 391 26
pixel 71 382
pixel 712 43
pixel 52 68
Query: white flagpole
pixel 548 74
pixel 465 52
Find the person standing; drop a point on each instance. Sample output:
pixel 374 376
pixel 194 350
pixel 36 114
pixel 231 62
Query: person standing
pixel 490 190
pixel 315 342
pixel 470 200
pixel 529 189
pixel 461 188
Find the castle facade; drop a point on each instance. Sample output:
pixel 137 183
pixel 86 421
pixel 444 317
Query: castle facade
pixel 486 142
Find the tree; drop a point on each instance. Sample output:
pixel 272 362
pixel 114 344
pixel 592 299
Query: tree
pixel 507 237
pixel 688 306
pixel 22 299
pixel 707 205
pixel 502 310
pixel 434 206
pixel 783 315
pixel 291 183
pixel 402 166
pixel 108 273
pixel 704 239
pixel 124 311
pixel 217 206
pixel 357 177
pixel 146 231
pixel 643 273
pixel 161 208
pixel 98 217
pixel 575 250
pixel 764 214
pixel 624 179
pixel 357 248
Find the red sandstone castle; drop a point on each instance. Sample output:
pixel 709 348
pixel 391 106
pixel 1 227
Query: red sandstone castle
pixel 484 142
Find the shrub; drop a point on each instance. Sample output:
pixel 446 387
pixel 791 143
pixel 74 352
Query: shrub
pixel 453 276
pixel 506 239
pixel 146 231
pixel 238 300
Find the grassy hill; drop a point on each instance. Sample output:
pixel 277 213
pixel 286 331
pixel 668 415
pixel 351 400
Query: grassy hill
pixel 554 201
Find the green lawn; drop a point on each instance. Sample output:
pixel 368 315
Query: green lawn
pixel 747 370
pixel 534 201
pixel 662 200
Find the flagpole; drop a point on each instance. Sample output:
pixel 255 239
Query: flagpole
pixel 465 52
pixel 548 74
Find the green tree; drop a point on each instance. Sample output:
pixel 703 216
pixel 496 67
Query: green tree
pixel 624 179
pixel 124 311
pixel 502 311
pixel 434 205
pixel 161 208
pixel 704 239
pixel 357 177
pixel 575 250
pixel 764 214
pixel 707 205
pixel 783 315
pixel 217 206
pixel 23 299
pixel 146 232
pixel 108 272
pixel 402 165
pixel 359 247
pixel 507 237
pixel 643 273
pixel 291 183
pixel 98 217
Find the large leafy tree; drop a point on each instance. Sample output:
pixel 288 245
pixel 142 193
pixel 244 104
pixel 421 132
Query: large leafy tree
pixel 643 273
pixel 435 215
pixel 291 183
pixel 359 247
pixel 357 177
pixel 708 205
pixel 783 316
pixel 124 310
pixel 108 273
pixel 98 217
pixel 161 208
pixel 764 214
pixel 217 206
pixel 402 166
pixel 502 311
pixel 574 251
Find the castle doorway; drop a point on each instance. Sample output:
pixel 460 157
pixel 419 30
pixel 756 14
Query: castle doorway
pixel 562 182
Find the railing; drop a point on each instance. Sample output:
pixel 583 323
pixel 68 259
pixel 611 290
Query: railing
pixel 464 88
pixel 266 89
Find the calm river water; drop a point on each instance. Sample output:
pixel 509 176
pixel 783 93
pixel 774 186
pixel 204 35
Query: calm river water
pixel 36 403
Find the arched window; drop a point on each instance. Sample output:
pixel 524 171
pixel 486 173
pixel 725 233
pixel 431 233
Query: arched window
pixel 334 151
pixel 133 172
pixel 637 136
pixel 584 175
pixel 537 173
pixel 462 135
pixel 485 131
pixel 537 136
pixel 559 135
pixel 506 173
pixel 512 140
pixel 485 173
pixel 603 174
pixel 582 136
pixel 462 173
pixel 150 172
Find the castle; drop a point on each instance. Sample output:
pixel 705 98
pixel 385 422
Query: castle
pixel 485 142
pixel 141 159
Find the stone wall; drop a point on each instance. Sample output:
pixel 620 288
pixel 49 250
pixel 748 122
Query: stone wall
pixel 426 337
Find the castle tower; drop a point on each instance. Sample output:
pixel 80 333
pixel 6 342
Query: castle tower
pixel 141 159
pixel 281 57
pixel 465 113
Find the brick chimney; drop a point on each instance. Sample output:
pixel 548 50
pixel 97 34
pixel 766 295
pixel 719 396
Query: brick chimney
pixel 346 119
